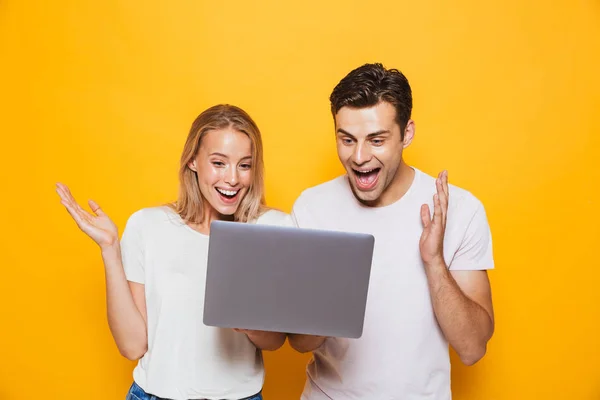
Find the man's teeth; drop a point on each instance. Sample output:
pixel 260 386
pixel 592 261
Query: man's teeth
pixel 365 172
pixel 227 192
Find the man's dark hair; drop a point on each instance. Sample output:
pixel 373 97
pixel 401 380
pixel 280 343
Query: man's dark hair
pixel 368 85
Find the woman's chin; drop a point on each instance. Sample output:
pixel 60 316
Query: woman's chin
pixel 226 211
pixel 223 207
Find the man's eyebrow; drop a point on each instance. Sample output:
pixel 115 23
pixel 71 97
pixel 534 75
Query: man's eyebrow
pixel 370 135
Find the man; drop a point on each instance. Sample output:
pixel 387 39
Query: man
pixel 429 286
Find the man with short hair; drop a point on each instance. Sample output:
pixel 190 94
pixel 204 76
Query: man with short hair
pixel 429 285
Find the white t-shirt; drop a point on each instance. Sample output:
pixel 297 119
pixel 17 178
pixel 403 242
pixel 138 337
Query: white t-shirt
pixel 185 358
pixel 402 353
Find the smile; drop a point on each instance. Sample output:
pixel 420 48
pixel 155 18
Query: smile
pixel 228 194
pixel 366 179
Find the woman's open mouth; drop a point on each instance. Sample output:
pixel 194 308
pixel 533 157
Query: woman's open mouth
pixel 228 196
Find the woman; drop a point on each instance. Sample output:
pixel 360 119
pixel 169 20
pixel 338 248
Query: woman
pixel 155 274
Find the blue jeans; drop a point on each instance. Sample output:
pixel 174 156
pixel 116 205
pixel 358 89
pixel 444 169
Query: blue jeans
pixel 137 393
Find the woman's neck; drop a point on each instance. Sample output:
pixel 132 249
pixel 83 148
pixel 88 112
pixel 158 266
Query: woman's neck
pixel 210 215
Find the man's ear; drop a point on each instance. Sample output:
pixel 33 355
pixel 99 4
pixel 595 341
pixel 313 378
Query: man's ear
pixel 409 133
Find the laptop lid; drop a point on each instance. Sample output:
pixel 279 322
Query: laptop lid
pixel 287 279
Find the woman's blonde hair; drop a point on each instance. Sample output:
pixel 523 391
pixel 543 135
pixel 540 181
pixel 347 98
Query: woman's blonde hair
pixel 190 202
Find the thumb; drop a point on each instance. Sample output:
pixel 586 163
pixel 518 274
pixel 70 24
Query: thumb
pixel 96 208
pixel 425 216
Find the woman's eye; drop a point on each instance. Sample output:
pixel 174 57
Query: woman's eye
pixel 218 163
pixel 246 166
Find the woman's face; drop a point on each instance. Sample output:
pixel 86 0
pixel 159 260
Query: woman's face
pixel 223 165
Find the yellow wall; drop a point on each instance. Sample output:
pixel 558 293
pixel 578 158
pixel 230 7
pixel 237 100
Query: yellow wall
pixel 100 95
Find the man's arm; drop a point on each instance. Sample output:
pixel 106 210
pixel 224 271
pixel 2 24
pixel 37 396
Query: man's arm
pixel 462 303
pixel 461 298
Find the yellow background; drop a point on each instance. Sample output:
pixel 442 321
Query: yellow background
pixel 100 96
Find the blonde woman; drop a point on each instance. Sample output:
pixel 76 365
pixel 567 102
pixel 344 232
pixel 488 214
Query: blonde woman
pixel 155 274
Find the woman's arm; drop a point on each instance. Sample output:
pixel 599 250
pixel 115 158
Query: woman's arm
pixel 126 307
pixel 126 303
pixel 264 340
pixel 305 343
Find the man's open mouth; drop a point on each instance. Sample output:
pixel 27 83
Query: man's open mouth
pixel 366 178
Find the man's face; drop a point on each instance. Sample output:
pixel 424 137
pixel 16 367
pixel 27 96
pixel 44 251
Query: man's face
pixel 369 145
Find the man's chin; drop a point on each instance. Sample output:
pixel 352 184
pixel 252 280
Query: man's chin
pixel 366 196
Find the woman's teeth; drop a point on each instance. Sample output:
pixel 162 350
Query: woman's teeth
pixel 229 193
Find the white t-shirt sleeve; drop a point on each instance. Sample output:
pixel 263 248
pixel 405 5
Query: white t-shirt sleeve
pixel 294 217
pixel 297 216
pixel 289 221
pixel 285 220
pixel 475 250
pixel 132 248
pixel 275 217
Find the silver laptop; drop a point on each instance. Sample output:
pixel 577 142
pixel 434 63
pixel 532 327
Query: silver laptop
pixel 286 279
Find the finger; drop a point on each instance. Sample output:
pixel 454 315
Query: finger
pixel 443 210
pixel 437 209
pixel 74 214
pixel 72 209
pixel 65 194
pixel 442 195
pixel 438 184
pixel 64 189
pixel 96 208
pixel 70 195
pixel 72 206
pixel 61 193
pixel 445 184
pixel 68 199
pixel 447 197
pixel 73 201
pixel 61 189
pixel 425 216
